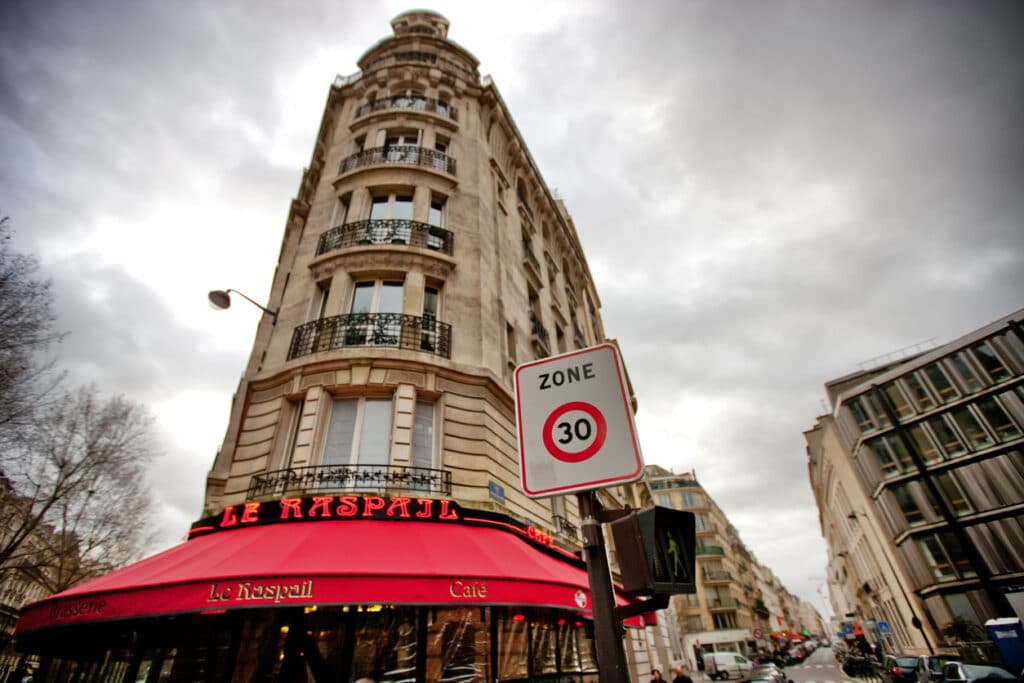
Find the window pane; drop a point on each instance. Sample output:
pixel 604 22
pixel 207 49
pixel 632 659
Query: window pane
pixel 876 408
pixel 885 461
pixel 936 558
pixel 338 445
pixel 436 216
pixel 998 420
pixel 956 555
pixel 908 505
pixel 402 209
pixel 947 392
pixel 923 443
pixel 430 297
pixel 362 300
pixel 991 361
pixel 390 298
pixel 379 210
pixel 899 402
pixel 513 647
pixel 376 432
pixel 861 416
pixel 899 450
pixel 971 428
pixel 458 647
pixel 948 439
pixel 918 393
pixel 423 436
pixel 953 494
pixel 961 363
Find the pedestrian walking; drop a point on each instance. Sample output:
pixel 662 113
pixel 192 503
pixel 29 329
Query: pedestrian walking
pixel 681 676
pixel 656 676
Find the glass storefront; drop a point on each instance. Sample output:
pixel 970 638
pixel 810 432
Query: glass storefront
pixel 351 643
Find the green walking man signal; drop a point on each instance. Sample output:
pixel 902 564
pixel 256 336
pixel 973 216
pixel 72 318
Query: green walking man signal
pixel 656 550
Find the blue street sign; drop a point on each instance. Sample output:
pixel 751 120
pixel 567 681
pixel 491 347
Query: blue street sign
pixel 883 628
pixel 496 491
pixel 848 628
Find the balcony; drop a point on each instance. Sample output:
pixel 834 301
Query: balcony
pixel 564 527
pixel 388 330
pixel 421 58
pixel 399 232
pixel 710 550
pixel 723 603
pixel 716 576
pixel 409 103
pixel 339 478
pixel 539 335
pixel 413 155
pixel 532 264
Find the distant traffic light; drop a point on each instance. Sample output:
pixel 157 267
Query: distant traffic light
pixel 655 548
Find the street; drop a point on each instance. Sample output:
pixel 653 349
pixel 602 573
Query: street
pixel 820 667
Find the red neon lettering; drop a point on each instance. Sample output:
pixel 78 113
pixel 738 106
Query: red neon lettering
pixel 323 504
pixel 371 503
pixel 401 504
pixel 347 506
pixel 251 514
pixel 230 517
pixel 291 506
pixel 426 504
pixel 445 512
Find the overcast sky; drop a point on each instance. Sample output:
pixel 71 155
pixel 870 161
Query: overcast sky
pixel 769 193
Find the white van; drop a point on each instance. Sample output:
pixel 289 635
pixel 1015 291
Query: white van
pixel 722 665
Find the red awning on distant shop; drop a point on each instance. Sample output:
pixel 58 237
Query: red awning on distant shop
pixel 329 562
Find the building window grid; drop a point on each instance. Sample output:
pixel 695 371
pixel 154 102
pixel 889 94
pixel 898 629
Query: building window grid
pixel 989 359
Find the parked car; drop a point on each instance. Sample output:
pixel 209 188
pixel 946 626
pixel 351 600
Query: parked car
pixel 855 664
pixel 768 672
pixel 723 665
pixel 964 672
pixel 929 667
pixel 899 669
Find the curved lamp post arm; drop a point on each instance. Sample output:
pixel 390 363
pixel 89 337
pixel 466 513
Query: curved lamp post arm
pixel 221 299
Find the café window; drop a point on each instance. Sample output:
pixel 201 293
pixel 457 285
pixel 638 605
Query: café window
pixel 359 432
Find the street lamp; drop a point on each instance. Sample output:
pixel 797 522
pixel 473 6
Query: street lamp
pixel 914 620
pixel 221 300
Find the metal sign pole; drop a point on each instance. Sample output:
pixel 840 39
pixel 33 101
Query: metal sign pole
pixel 608 631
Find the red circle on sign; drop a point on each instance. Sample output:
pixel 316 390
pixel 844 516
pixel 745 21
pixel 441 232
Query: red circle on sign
pixel 568 456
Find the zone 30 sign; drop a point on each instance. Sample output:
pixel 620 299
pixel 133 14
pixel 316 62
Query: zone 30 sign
pixel 575 423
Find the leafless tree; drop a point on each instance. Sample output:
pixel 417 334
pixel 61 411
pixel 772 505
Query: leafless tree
pixel 27 330
pixel 77 502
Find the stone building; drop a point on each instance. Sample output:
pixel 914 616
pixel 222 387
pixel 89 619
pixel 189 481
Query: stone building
pixel 918 472
pixel 363 516
pixel 739 606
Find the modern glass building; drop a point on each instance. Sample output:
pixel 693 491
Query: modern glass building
pixel 936 445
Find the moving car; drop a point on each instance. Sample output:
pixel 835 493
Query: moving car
pixel 768 672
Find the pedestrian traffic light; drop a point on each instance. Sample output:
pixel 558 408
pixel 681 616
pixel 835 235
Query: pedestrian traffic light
pixel 655 548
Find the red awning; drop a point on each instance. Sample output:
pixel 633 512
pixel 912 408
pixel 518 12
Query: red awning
pixel 329 562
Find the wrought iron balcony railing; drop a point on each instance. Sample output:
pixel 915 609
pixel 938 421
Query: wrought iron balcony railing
pixel 710 550
pixel 422 58
pixel 716 575
pixel 390 231
pixel 399 154
pixel 565 527
pixel 723 603
pixel 328 478
pixel 530 257
pixel 394 330
pixel 410 103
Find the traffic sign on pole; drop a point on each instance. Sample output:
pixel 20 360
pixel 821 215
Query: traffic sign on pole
pixel 575 423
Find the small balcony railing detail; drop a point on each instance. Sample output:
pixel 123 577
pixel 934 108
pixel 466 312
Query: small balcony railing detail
pixel 413 155
pixel 390 231
pixel 394 330
pixel 530 257
pixel 538 330
pixel 713 575
pixel 723 603
pixel 710 550
pixel 422 58
pixel 409 103
pixel 565 527
pixel 371 478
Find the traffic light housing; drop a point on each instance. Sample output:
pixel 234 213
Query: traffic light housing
pixel 655 548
